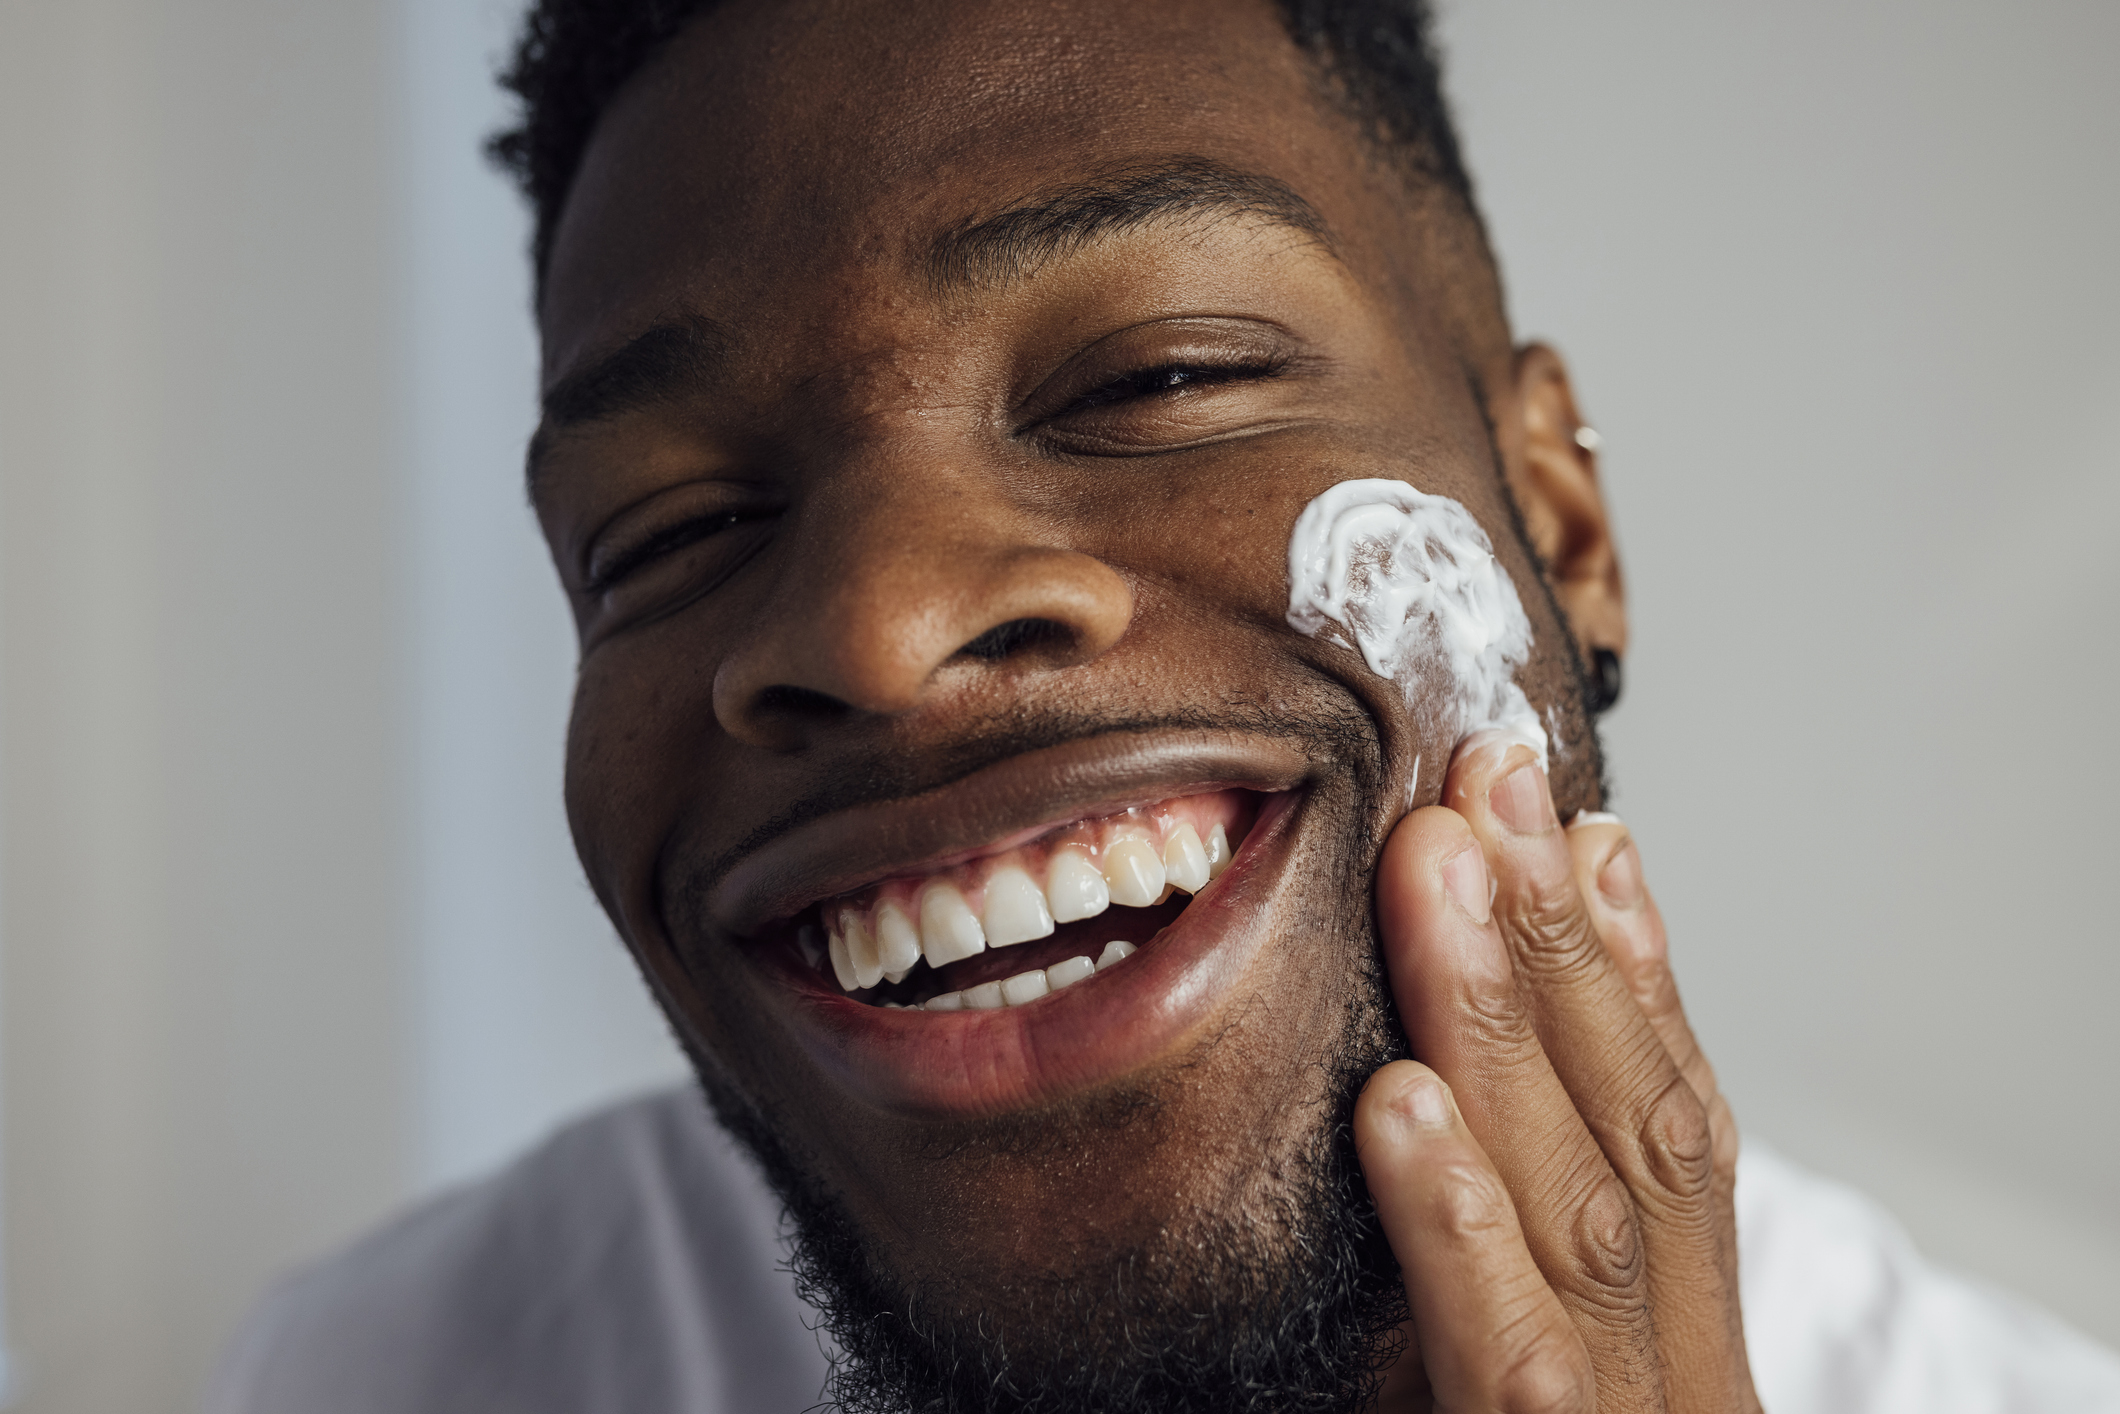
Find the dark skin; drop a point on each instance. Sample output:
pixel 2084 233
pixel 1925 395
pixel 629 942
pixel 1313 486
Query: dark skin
pixel 791 521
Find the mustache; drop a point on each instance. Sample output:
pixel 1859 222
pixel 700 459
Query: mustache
pixel 1328 730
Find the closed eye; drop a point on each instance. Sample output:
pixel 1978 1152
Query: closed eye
pixel 669 539
pixel 1170 378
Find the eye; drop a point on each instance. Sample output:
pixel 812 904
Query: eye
pixel 1166 385
pixel 1167 405
pixel 672 550
pixel 608 569
pixel 1169 378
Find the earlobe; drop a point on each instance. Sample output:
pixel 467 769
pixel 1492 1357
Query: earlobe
pixel 1552 468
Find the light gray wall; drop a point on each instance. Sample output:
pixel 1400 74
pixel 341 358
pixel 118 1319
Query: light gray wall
pixel 1839 285
pixel 204 1036
pixel 289 928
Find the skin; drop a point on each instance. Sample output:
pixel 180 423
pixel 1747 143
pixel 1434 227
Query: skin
pixel 893 464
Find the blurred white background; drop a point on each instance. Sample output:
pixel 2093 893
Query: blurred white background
pixel 290 929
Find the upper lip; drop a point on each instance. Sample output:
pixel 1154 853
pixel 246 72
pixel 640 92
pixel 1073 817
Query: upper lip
pixel 1014 799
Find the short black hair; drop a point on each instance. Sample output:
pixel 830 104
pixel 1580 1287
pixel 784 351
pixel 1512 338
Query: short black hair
pixel 573 56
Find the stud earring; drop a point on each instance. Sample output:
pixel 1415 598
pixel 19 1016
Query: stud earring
pixel 1604 684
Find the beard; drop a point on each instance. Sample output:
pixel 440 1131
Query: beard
pixel 1279 1295
pixel 1288 1301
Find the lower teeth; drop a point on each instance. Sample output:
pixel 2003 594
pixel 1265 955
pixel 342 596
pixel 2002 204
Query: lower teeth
pixel 1024 987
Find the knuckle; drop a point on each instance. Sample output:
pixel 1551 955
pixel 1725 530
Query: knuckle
pixel 1607 1248
pixel 1496 1016
pixel 1543 1371
pixel 1677 1139
pixel 1654 986
pixel 1469 1205
pixel 1552 930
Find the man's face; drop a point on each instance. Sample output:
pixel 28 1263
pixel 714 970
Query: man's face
pixel 932 389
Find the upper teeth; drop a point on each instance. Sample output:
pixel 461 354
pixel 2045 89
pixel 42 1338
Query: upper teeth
pixel 1074 888
pixel 1015 911
pixel 1136 859
pixel 1134 873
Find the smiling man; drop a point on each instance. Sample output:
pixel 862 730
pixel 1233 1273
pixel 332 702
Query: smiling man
pixel 1090 632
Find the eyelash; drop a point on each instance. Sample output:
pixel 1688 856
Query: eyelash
pixel 662 542
pixel 1169 377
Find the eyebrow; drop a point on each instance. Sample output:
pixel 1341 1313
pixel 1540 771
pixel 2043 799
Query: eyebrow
pixel 655 367
pixel 1066 220
pixel 650 368
pixel 673 359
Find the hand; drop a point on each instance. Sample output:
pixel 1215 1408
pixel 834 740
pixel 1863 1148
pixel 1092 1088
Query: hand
pixel 1557 1179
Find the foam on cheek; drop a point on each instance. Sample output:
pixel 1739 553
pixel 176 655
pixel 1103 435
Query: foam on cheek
pixel 1411 580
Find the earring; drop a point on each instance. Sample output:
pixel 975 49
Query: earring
pixel 1603 686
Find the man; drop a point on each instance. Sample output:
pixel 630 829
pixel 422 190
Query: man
pixel 1090 635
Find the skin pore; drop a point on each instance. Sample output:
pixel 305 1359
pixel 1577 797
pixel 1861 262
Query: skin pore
pixel 930 391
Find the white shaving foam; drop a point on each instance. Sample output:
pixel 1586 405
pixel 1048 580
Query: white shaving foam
pixel 1411 580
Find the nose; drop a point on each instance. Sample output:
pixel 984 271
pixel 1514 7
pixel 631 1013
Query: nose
pixel 884 595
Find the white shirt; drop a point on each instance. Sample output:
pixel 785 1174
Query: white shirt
pixel 632 1265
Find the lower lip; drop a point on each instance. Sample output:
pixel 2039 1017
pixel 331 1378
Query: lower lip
pixel 969 1064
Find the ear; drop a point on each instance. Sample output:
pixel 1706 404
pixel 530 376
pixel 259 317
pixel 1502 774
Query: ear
pixel 1551 455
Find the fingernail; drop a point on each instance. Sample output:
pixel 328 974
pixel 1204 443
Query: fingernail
pixel 1620 881
pixel 1426 1103
pixel 1465 876
pixel 1519 800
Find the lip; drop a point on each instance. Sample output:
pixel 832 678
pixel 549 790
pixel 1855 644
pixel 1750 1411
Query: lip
pixel 971 1064
pixel 975 1064
pixel 990 810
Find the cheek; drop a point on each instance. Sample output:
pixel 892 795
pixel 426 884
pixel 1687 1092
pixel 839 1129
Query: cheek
pixel 1214 530
pixel 642 719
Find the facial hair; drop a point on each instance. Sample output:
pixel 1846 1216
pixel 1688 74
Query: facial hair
pixel 1291 1302
pixel 1281 1297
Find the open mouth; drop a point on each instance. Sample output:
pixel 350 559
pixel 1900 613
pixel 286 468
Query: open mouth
pixel 1008 887
pixel 1009 927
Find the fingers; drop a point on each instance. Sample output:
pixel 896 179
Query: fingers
pixel 1492 1334
pixel 1608 874
pixel 1458 995
pixel 1651 1123
pixel 1609 877
pixel 1607 1054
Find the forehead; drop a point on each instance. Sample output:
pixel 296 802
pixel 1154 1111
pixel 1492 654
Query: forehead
pixel 775 146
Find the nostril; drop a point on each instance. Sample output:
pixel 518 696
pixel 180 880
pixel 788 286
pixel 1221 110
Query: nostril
pixel 800 704
pixel 1005 640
